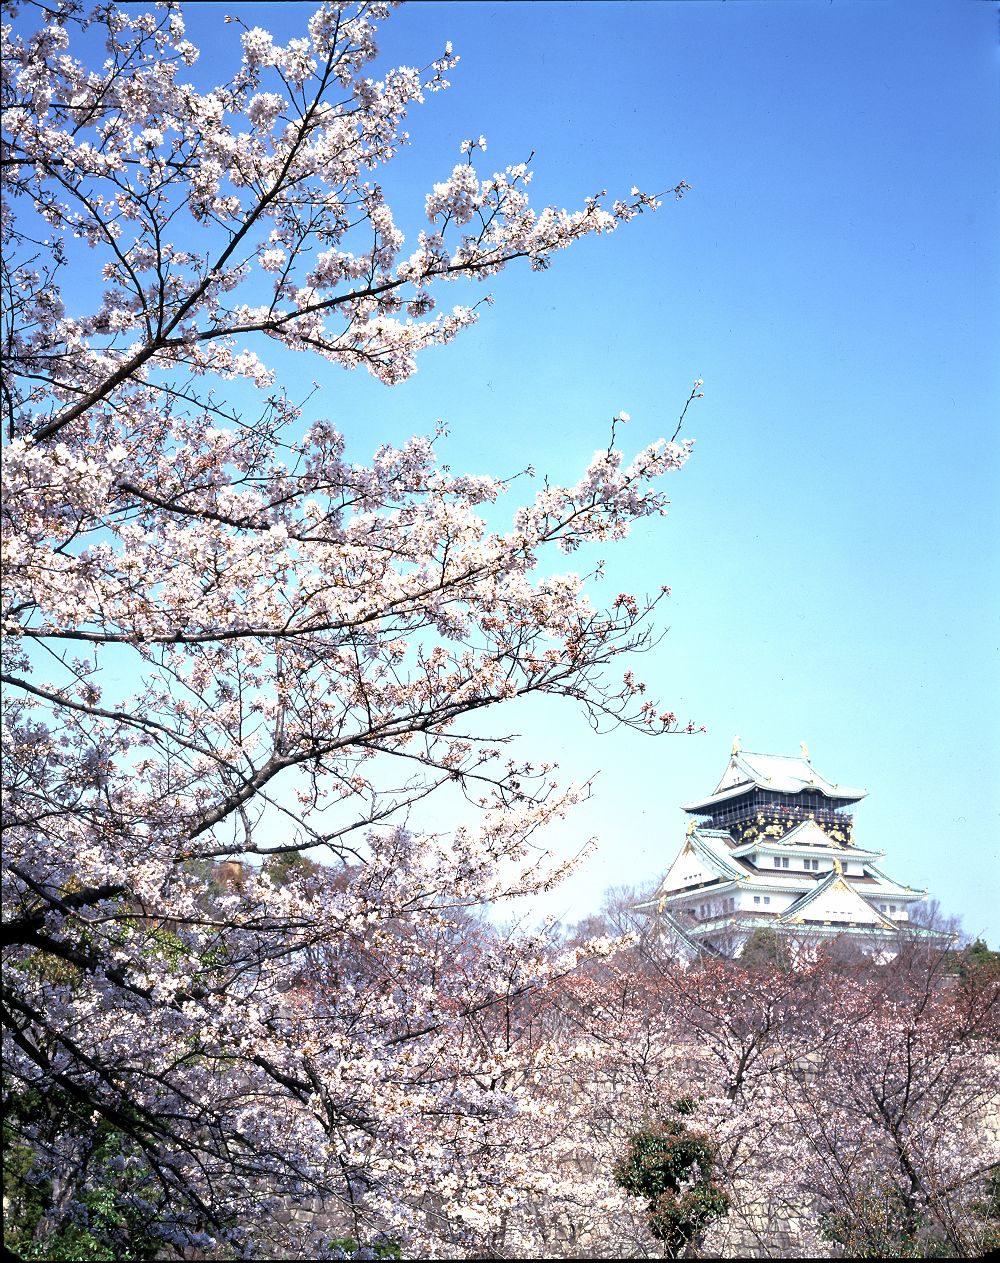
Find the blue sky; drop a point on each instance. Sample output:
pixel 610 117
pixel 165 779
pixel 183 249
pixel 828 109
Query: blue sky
pixel 833 278
pixel 832 275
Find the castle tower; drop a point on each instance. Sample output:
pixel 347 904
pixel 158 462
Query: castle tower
pixel 773 847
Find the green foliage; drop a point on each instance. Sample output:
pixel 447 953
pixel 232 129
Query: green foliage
pixel 979 956
pixel 351 1248
pixel 24 1200
pixel 670 1165
pixel 678 1218
pixel 100 1212
pixel 166 944
pixel 282 868
pixel 46 967
pixel 766 949
pixel 988 1212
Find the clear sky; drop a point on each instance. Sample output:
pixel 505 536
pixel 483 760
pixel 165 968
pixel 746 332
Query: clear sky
pixel 833 276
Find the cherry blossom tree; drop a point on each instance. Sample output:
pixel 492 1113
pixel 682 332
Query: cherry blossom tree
pixel 643 1033
pixel 847 1108
pixel 227 644
pixel 902 1115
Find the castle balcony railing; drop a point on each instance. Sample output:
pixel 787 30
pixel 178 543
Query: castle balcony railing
pixel 779 813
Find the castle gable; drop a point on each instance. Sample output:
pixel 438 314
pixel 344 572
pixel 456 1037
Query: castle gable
pixel 835 901
pixel 692 867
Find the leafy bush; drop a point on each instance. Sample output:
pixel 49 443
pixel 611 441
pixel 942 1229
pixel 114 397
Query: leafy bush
pixel 670 1165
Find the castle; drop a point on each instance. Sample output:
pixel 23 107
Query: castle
pixel 772 847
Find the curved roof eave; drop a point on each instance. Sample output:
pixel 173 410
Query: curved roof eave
pixel 843 794
pixel 789 774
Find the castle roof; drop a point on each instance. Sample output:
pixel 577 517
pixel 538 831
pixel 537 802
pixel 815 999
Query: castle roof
pixel 784 774
pixel 834 900
pixel 709 857
pixel 746 923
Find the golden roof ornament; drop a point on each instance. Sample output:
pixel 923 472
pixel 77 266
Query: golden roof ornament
pixel 692 825
pixel 837 868
pixel 805 750
pixel 736 745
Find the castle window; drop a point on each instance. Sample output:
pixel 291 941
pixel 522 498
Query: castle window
pixel 767 898
pixel 756 898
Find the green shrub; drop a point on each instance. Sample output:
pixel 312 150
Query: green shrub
pixel 670 1165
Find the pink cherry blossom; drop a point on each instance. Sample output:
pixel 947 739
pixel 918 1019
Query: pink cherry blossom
pixel 237 664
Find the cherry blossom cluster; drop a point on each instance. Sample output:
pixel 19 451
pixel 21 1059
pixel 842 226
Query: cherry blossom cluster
pixel 857 1102
pixel 237 664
